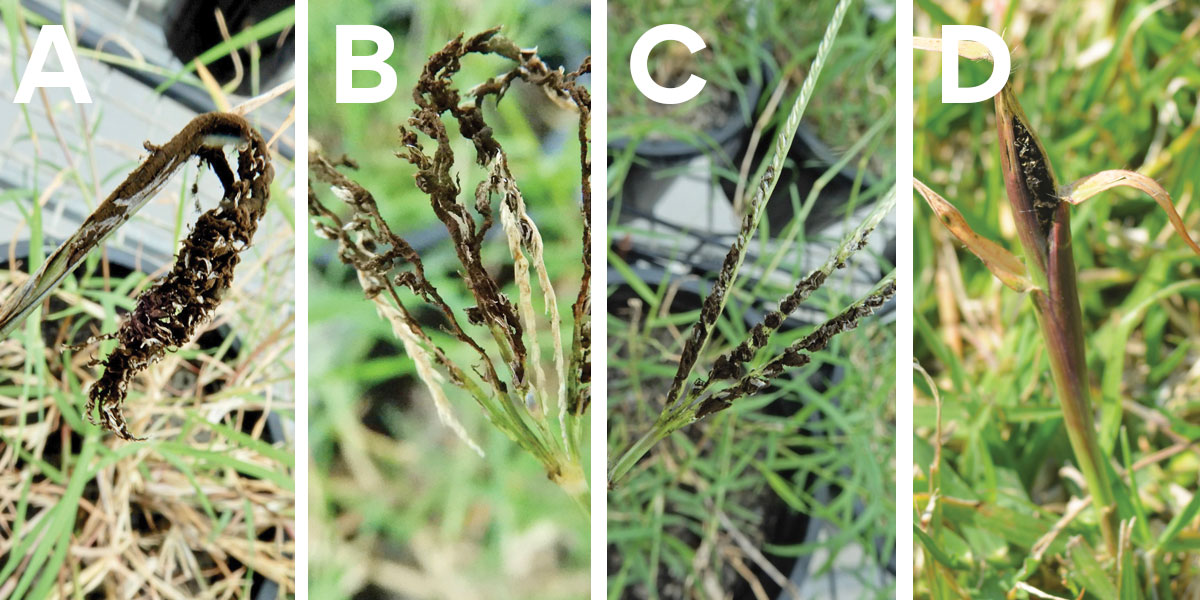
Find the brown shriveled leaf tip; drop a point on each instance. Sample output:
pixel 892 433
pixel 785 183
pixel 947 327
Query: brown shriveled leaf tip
pixel 966 48
pixel 1095 183
pixel 1006 267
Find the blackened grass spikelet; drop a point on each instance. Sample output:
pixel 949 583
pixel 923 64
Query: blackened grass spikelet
pixel 510 383
pixel 1039 179
pixel 168 314
pixel 201 138
pixel 799 353
pixel 714 303
pixel 728 365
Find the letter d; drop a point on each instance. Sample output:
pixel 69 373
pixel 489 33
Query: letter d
pixel 347 63
pixel 951 36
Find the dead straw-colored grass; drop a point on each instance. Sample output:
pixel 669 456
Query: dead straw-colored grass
pixel 144 525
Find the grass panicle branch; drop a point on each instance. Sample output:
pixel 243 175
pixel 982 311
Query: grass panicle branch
pixel 727 365
pixel 509 381
pixel 799 353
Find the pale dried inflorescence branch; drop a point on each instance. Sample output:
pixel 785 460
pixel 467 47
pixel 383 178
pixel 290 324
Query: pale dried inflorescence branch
pixel 510 383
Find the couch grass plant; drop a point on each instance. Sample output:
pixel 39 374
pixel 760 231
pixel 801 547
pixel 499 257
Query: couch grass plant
pixel 717 418
pixel 206 505
pixel 1004 503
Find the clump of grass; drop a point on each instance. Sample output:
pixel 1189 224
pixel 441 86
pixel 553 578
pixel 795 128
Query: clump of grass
pixel 508 381
pixel 202 507
pixel 205 507
pixel 690 400
pixel 1040 210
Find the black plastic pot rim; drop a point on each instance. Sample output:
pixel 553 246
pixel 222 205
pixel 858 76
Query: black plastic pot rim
pixel 671 150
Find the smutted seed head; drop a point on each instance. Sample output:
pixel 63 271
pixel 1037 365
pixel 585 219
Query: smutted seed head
pixel 168 314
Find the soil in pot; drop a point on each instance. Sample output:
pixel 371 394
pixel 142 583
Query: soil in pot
pixel 808 160
pixel 192 27
pixel 718 119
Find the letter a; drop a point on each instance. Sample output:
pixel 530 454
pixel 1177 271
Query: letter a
pixel 52 36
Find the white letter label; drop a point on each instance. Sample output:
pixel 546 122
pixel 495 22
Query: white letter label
pixel 951 36
pixel 640 59
pixel 347 63
pixel 52 36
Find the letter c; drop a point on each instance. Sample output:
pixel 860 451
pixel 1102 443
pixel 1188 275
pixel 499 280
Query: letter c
pixel 640 58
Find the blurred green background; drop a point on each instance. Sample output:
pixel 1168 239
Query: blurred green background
pixel 753 45
pixel 1106 85
pixel 399 506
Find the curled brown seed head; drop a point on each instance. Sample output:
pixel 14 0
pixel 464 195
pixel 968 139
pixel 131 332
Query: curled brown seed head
pixel 509 382
pixel 168 314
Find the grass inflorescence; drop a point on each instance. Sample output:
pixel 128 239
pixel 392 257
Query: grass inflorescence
pixel 543 412
pixel 168 314
pixel 775 475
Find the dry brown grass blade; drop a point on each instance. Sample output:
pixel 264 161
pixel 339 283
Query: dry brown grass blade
pixel 212 87
pixel 264 98
pixel 999 261
pixel 763 119
pixel 1095 183
pixel 966 48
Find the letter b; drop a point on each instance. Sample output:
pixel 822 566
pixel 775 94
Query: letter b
pixel 347 63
